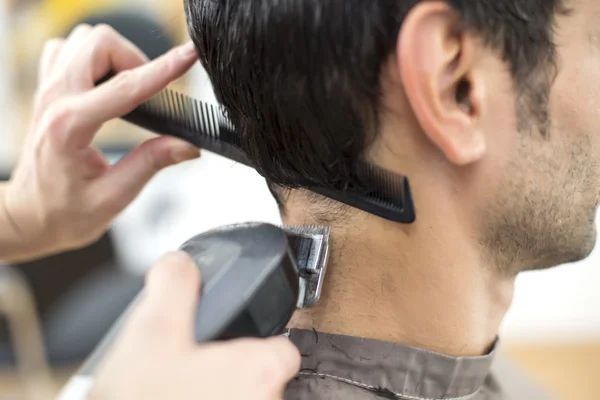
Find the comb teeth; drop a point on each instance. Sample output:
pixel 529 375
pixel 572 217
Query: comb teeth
pixel 391 188
pixel 204 119
pixel 387 195
pixel 379 192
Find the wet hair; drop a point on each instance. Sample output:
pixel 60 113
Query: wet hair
pixel 301 79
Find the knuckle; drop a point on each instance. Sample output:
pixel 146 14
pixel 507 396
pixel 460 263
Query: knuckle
pixel 57 120
pixel 169 66
pixel 45 95
pixel 125 80
pixel 79 33
pixel 151 322
pixel 176 267
pixel 153 158
pixel 127 84
pixel 104 31
pixel 101 35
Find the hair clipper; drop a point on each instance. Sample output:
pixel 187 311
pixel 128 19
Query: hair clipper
pixel 255 275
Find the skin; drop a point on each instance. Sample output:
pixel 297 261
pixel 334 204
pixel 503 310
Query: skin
pixel 495 194
pixel 156 357
pixel 63 194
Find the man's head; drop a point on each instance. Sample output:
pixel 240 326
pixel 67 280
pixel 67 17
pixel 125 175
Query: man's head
pixel 488 107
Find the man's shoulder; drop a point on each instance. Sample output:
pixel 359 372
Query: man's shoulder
pixel 353 368
pixel 314 386
pixel 504 382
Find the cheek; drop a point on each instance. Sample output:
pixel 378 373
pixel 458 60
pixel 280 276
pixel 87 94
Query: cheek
pixel 575 98
pixel 574 136
pixel 500 127
pixel 569 112
pixel 488 178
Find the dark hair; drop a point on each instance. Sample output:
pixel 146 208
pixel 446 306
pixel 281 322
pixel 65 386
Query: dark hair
pixel 301 78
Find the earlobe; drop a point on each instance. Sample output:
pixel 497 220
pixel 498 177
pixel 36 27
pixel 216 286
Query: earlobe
pixel 436 60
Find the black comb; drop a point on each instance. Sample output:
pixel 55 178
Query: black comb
pixel 207 126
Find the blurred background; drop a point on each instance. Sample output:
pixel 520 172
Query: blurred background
pixel 54 311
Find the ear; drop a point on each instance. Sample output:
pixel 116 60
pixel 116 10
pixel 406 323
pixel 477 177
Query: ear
pixel 436 59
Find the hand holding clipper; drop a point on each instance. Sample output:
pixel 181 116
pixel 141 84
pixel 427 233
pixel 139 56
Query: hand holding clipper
pixel 156 357
pixel 255 276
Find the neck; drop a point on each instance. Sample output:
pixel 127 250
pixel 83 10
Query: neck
pixel 413 288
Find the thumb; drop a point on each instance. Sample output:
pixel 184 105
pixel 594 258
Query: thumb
pixel 269 363
pixel 171 294
pixel 124 181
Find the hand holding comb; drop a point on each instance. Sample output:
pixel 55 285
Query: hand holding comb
pixel 207 126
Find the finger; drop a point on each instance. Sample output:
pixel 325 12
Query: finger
pixel 77 35
pixel 121 184
pixel 286 357
pixel 127 90
pixel 51 52
pixel 279 366
pixel 73 43
pixel 104 50
pixel 171 296
pixel 274 361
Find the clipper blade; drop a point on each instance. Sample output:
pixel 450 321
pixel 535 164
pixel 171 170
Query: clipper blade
pixel 310 246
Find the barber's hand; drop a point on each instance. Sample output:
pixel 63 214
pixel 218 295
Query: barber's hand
pixel 156 357
pixel 63 193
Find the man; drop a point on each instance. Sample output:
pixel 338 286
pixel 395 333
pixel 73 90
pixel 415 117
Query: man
pixel 63 194
pixel 486 106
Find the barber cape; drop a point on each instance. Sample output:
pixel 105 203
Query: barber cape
pixel 347 368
